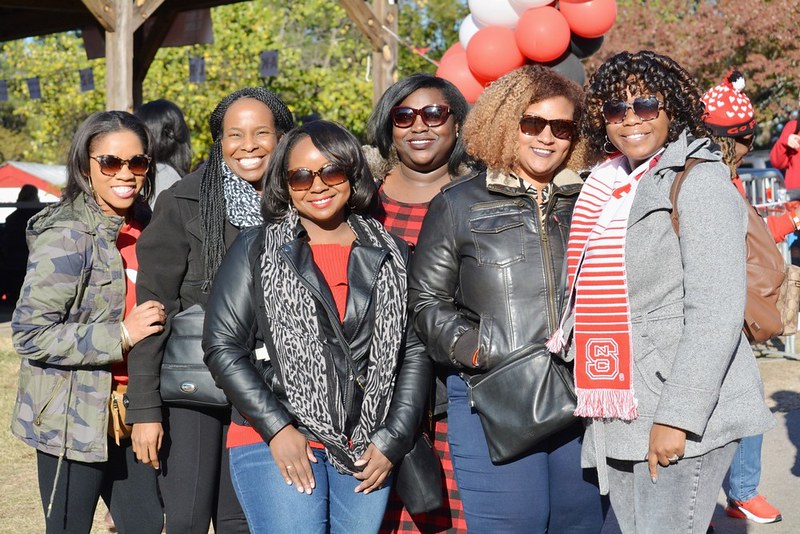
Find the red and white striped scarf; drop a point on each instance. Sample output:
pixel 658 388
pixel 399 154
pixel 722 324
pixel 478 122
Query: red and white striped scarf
pixel 598 306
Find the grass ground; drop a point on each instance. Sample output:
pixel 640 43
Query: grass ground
pixel 20 504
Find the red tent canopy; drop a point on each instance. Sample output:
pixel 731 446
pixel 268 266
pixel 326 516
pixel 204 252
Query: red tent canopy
pixel 49 178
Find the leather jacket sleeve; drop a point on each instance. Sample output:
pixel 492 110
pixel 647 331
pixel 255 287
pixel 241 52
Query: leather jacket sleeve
pixel 450 336
pixel 395 437
pixel 229 339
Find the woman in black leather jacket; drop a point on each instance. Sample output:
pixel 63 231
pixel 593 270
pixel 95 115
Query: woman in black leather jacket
pixel 487 280
pixel 305 332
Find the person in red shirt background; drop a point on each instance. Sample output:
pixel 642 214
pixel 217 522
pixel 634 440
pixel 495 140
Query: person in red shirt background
pixel 784 155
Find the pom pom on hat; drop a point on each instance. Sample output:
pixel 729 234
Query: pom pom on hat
pixel 729 113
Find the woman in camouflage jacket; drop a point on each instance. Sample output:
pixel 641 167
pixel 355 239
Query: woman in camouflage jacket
pixel 73 325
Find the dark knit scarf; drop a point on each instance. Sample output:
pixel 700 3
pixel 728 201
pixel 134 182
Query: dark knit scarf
pixel 242 201
pixel 301 354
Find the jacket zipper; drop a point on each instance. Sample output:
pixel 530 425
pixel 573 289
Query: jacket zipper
pixel 544 240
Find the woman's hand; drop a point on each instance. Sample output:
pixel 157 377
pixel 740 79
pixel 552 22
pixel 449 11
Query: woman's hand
pixel 376 471
pixel 146 439
pixel 144 320
pixel 667 445
pixel 292 455
pixel 794 141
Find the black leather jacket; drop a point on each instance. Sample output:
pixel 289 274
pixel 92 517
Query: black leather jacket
pixel 488 271
pixel 236 324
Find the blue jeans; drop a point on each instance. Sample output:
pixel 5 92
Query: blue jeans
pixel 271 505
pixel 545 491
pixel 745 471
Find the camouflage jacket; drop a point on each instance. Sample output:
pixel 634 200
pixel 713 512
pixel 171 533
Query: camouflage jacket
pixel 66 329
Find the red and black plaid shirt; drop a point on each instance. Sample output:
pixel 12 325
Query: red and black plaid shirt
pixel 402 219
pixel 405 221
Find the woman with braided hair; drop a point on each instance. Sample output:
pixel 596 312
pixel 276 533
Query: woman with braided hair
pixel 194 223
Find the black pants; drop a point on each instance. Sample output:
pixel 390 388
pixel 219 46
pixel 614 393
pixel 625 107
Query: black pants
pixel 195 480
pixel 127 487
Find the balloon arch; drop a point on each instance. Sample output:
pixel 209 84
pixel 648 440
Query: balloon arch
pixel 499 36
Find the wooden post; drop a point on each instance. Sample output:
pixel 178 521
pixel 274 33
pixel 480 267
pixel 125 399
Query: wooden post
pixel 384 61
pixel 384 46
pixel 120 19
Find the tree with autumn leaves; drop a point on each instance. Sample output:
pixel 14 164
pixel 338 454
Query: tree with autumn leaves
pixel 760 38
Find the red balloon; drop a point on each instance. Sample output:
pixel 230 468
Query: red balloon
pixel 542 34
pixel 492 52
pixel 590 18
pixel 453 68
pixel 456 48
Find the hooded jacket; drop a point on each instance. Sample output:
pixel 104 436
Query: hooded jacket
pixel 66 329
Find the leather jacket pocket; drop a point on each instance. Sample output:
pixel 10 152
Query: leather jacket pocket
pixel 498 234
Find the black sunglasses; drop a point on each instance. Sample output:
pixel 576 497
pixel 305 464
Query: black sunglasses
pixel 433 115
pixel 302 179
pixel 644 107
pixel 111 165
pixel 534 125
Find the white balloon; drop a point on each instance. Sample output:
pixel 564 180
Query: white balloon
pixel 467 29
pixel 522 5
pixel 493 13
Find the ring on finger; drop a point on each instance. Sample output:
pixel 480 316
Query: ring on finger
pixel 289 467
pixel 673 459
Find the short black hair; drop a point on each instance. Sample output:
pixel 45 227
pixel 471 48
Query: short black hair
pixel 379 125
pixel 95 126
pixel 171 139
pixel 339 146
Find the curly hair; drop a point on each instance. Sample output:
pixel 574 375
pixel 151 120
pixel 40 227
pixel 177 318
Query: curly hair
pixel 491 129
pixel 644 73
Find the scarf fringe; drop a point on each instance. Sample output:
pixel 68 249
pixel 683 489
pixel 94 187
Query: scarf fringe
pixel 607 404
pixel 556 341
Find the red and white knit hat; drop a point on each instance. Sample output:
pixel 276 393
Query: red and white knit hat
pixel 729 113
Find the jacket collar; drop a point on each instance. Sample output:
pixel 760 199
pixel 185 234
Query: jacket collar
pixel 566 182
pixel 654 189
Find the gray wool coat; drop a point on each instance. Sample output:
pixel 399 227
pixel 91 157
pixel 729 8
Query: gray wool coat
pixel 693 367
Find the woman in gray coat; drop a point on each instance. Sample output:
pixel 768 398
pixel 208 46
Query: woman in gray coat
pixel 664 375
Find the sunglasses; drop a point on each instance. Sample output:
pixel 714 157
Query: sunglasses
pixel 534 125
pixel 302 179
pixel 644 107
pixel 433 115
pixel 111 165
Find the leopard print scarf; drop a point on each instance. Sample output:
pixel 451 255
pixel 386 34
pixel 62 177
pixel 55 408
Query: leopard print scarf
pixel 301 355
pixel 242 201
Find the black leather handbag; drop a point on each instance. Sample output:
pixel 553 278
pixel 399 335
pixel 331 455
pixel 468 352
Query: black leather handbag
pixel 420 479
pixel 526 399
pixel 185 379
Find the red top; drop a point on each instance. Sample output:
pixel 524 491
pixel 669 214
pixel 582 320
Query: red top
pixel 402 219
pixel 332 261
pixel 126 244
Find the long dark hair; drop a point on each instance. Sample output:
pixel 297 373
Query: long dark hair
pixel 339 146
pixel 171 139
pixel 95 126
pixel 379 125
pixel 212 195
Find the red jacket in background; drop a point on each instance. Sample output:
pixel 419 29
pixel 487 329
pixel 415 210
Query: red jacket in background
pixel 785 158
